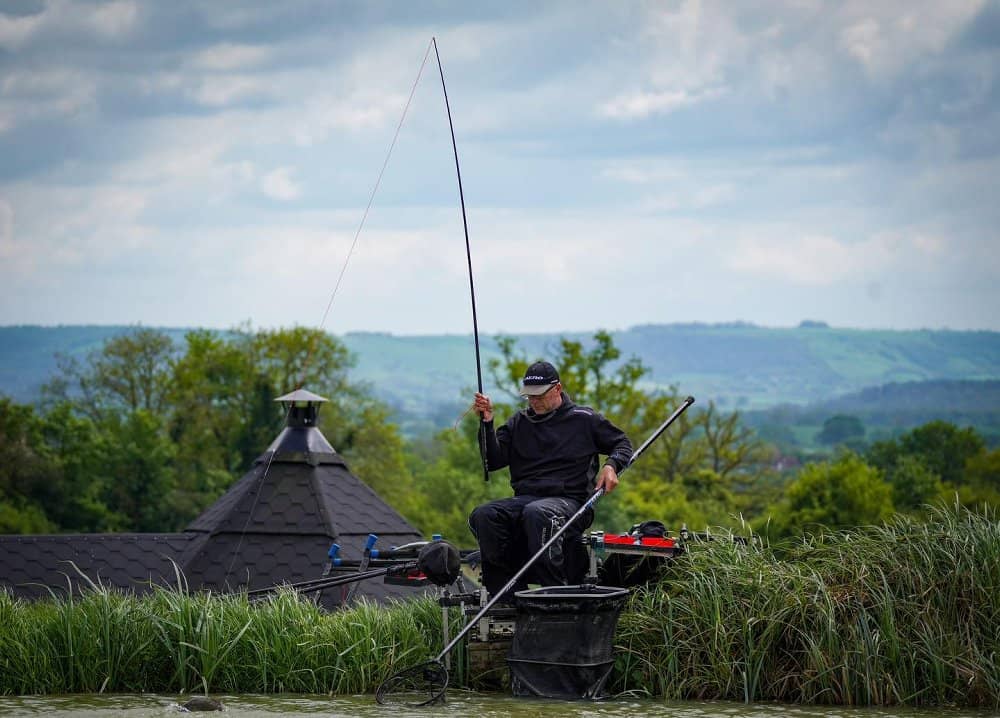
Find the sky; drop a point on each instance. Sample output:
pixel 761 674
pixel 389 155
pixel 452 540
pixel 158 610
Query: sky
pixel 192 163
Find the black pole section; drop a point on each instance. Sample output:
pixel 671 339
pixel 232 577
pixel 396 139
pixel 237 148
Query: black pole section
pixel 327 582
pixel 468 257
pixel 663 427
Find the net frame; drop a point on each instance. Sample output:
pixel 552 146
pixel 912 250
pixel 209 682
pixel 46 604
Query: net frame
pixel 421 685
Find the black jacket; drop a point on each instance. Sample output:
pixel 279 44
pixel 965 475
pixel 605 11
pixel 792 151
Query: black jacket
pixel 556 454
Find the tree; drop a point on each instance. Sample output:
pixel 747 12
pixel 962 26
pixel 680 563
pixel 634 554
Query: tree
pixel 23 470
pixel 933 461
pixel 129 373
pixel 943 447
pixel 137 461
pixel 77 480
pixel 734 450
pixel 838 494
pixel 590 376
pixel 914 484
pixel 841 429
pixel 50 475
pixel 220 409
pixel 939 445
pixel 299 357
pixel 982 473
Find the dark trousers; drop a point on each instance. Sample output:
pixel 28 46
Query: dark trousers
pixel 511 531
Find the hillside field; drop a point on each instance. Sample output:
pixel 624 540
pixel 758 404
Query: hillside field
pixel 427 379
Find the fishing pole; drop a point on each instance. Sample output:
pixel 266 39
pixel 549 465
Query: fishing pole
pixel 468 257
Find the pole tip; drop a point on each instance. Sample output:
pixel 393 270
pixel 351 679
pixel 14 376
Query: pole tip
pixel 689 400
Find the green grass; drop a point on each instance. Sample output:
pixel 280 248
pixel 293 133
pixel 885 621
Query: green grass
pixel 903 614
pixel 175 641
pixel 907 613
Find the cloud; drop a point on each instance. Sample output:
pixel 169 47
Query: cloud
pixel 16 31
pixel 823 260
pixel 886 38
pixel 278 184
pixel 46 93
pixel 229 90
pixel 113 19
pixel 643 104
pixel 230 56
pixel 745 159
pixel 65 20
pixel 6 223
pixel 81 230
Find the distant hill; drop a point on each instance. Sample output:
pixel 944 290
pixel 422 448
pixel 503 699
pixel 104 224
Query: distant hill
pixel 28 353
pixel 888 410
pixel 427 378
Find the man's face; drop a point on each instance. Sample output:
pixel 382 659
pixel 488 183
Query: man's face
pixel 549 401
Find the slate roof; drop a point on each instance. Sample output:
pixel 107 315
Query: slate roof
pixel 31 565
pixel 274 525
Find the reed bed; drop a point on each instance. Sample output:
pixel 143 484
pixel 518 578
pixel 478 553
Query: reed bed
pixel 903 614
pixel 175 641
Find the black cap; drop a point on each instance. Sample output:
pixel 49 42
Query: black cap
pixel 538 378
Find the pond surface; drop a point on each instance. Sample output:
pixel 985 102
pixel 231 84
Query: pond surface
pixel 459 705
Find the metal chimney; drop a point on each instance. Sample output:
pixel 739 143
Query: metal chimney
pixel 302 407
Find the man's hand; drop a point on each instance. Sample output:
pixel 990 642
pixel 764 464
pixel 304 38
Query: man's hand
pixel 607 479
pixel 484 407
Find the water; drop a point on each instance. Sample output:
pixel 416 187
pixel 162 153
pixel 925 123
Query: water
pixel 459 705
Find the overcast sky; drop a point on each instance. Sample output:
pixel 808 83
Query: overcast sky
pixel 191 163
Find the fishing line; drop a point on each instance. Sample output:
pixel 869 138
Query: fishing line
pixel 364 216
pixel 333 295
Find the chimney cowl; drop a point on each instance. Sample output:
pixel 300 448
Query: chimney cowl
pixel 302 407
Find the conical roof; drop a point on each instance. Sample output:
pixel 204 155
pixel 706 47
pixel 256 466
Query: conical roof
pixel 278 521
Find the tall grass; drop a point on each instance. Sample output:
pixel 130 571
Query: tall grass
pixel 176 641
pixel 906 613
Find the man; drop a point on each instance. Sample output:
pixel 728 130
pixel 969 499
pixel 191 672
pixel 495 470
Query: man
pixel 552 449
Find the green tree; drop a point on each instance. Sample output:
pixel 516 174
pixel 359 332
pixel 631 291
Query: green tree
pixel 129 373
pixel 591 376
pixel 137 462
pixel 940 445
pixel 300 357
pixel 24 470
pixel 841 430
pixel 838 494
pixel 49 472
pixel 943 447
pixel 982 474
pixel 914 484
pixel 213 414
pixel 376 453
pixel 20 517
pixel 735 453
pixel 698 471
pixel 76 479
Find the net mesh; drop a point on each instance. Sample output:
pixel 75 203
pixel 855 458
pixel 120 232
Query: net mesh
pixel 421 685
